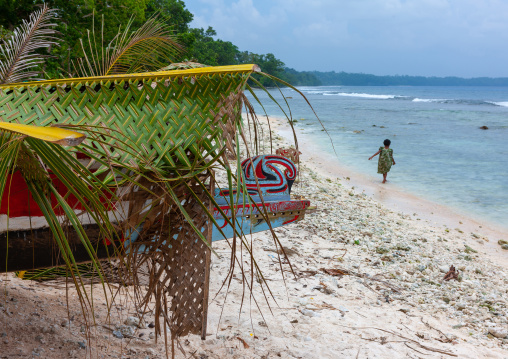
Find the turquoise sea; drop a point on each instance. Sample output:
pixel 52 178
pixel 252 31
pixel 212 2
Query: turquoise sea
pixel 441 152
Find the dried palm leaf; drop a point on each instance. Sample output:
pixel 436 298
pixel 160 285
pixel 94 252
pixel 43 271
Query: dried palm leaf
pixel 18 56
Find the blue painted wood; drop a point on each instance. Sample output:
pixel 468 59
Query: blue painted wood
pixel 262 179
pixel 251 218
pixel 246 226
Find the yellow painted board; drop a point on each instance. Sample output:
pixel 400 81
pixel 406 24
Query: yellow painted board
pixel 144 75
pixel 49 134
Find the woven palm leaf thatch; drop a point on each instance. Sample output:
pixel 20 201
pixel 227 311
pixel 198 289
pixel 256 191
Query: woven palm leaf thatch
pixel 168 116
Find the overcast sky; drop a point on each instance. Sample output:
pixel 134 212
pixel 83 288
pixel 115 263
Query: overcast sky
pixel 467 38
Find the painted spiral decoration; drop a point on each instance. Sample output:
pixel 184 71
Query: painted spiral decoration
pixel 271 179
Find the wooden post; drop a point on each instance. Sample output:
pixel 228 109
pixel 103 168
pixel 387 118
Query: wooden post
pixel 206 286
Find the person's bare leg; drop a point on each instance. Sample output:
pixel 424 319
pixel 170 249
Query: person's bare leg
pixel 384 177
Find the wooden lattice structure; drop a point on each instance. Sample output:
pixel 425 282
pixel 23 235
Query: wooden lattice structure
pixel 171 121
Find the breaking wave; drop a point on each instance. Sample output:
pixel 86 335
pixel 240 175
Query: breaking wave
pixel 333 91
pixel 502 104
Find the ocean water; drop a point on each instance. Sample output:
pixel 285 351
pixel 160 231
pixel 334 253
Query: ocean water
pixel 440 150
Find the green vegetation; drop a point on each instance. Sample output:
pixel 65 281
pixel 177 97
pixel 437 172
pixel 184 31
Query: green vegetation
pixel 75 16
pixel 208 50
pixel 358 79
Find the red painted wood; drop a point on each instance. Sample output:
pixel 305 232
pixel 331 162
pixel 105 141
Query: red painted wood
pixel 18 202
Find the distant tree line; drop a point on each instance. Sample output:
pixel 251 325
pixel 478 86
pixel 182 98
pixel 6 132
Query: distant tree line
pixel 358 79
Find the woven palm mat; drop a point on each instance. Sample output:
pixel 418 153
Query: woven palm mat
pixel 176 260
pixel 167 120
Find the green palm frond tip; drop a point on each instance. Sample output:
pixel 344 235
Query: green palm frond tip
pixel 85 270
pixel 146 49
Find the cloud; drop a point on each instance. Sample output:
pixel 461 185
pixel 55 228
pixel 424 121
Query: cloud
pixel 306 33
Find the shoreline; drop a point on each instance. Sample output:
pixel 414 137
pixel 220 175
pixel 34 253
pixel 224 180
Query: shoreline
pixel 391 196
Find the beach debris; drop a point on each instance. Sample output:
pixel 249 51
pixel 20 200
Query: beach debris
pixel 292 153
pixel 245 345
pixel 452 274
pixel 134 322
pixel 498 332
pixel 503 243
pixel 484 128
pixel 470 250
pixel 335 272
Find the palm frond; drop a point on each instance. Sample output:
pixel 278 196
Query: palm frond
pixel 148 48
pixel 18 56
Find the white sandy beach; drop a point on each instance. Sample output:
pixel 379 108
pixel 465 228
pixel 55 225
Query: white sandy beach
pixel 368 283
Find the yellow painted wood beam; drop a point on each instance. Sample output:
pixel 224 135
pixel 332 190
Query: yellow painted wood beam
pixel 56 135
pixel 199 71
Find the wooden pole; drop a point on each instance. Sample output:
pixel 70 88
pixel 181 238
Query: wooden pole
pixel 208 260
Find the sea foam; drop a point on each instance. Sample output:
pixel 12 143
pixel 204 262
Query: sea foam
pixel 429 100
pixel 364 95
pixel 502 104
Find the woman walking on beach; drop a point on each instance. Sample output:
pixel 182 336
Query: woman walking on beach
pixel 385 159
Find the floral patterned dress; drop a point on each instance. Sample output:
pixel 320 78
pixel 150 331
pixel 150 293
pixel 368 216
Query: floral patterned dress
pixel 385 160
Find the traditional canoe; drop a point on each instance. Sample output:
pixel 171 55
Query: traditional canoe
pixel 269 205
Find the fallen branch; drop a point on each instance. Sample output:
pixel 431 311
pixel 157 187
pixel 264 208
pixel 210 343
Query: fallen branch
pixel 340 272
pixel 436 350
pixel 447 340
pixel 245 345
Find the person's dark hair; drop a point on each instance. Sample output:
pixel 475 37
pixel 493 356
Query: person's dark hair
pixel 387 142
